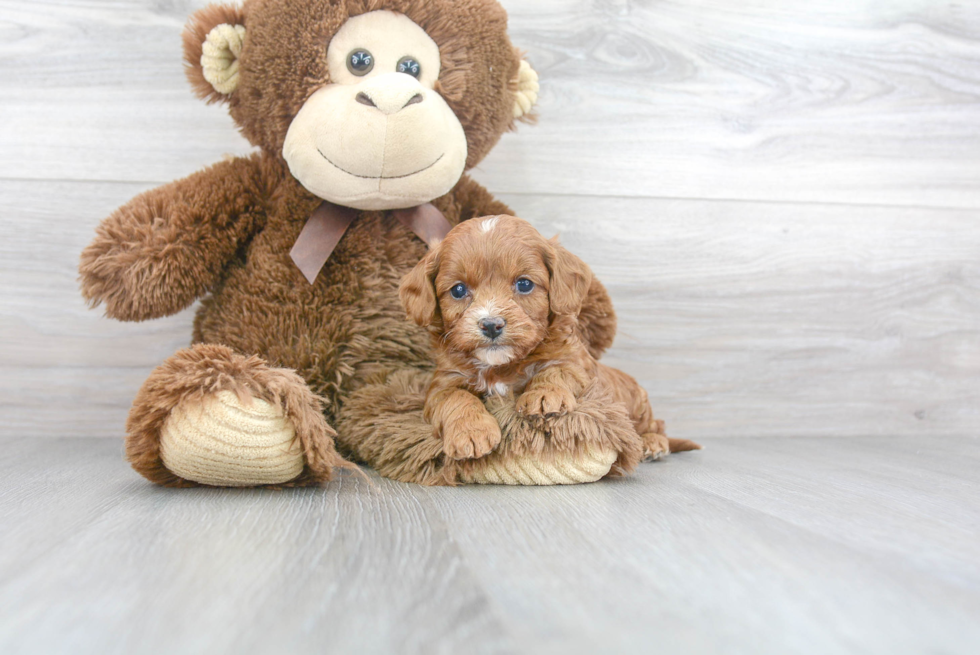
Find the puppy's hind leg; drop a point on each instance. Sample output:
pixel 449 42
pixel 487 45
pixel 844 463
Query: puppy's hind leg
pixel 655 438
pixel 656 443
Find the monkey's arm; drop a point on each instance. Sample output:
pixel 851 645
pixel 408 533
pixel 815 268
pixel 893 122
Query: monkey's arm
pixel 168 246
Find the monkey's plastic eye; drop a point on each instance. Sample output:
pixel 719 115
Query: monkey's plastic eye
pixel 524 285
pixel 360 62
pixel 409 66
pixel 458 291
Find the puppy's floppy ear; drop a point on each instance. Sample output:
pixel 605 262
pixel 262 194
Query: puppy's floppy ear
pixel 418 290
pixel 570 279
pixel 213 40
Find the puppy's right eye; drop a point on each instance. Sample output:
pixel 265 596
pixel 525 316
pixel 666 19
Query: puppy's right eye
pixel 458 291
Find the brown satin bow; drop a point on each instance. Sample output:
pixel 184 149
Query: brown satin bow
pixel 325 228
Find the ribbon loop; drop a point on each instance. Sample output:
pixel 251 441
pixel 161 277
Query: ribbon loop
pixel 328 224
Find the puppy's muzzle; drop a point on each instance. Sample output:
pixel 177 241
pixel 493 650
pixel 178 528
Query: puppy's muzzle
pixel 492 327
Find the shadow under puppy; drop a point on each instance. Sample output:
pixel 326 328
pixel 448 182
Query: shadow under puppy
pixel 501 303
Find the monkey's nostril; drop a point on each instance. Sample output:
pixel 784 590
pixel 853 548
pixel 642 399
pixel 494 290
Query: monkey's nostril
pixel 414 100
pixel 364 99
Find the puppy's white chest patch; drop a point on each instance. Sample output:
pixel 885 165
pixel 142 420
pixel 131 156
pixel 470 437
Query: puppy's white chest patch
pixel 499 389
pixel 482 385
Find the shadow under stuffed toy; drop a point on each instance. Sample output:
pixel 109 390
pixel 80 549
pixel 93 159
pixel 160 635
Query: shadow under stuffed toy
pixel 366 114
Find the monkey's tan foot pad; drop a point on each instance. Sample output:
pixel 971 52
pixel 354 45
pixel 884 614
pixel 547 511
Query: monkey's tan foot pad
pixel 221 440
pixel 584 465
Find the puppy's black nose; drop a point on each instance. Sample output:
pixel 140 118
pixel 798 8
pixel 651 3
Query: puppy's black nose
pixel 492 327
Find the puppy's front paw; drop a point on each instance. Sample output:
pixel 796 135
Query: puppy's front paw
pixel 470 436
pixel 543 401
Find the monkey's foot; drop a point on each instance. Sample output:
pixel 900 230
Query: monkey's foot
pixel 210 416
pixel 585 465
pixel 226 441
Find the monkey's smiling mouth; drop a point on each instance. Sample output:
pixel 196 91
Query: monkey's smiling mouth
pixel 381 177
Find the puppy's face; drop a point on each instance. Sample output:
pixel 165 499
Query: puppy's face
pixel 492 288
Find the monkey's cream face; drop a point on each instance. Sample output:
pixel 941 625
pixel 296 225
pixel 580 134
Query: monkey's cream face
pixel 379 136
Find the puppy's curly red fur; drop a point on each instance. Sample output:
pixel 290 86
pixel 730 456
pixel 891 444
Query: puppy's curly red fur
pixel 502 304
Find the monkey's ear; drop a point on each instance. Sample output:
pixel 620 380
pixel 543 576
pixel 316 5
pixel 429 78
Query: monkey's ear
pixel 570 280
pixel 213 40
pixel 525 87
pixel 418 290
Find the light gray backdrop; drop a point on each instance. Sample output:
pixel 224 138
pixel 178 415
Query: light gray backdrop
pixel 782 198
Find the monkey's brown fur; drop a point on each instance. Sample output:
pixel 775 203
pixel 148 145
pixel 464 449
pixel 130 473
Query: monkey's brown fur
pixel 225 233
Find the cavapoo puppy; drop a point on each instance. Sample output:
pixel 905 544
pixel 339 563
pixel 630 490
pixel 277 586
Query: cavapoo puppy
pixel 501 302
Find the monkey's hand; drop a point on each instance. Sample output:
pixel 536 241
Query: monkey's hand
pixel 165 248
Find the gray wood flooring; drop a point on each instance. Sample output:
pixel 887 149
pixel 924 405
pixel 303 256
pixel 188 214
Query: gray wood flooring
pixel 768 545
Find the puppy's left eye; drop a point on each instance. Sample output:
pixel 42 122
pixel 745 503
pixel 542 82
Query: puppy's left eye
pixel 458 291
pixel 524 285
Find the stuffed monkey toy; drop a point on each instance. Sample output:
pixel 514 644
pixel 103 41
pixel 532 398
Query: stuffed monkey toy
pixel 366 114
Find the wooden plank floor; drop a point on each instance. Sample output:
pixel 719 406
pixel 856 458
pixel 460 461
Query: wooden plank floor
pixel 767 545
